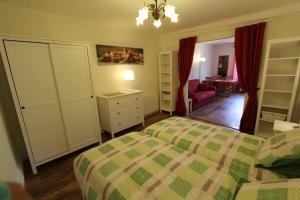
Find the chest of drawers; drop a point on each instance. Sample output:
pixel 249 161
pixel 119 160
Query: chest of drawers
pixel 121 110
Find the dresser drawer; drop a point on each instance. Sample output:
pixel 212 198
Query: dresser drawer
pixel 123 123
pixel 123 112
pixel 125 100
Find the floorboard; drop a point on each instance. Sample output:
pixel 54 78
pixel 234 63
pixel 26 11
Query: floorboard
pixel 226 111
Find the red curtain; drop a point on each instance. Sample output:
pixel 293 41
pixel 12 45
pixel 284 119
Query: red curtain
pixel 248 50
pixel 185 61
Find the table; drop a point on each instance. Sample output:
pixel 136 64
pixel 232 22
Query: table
pixel 281 126
pixel 219 84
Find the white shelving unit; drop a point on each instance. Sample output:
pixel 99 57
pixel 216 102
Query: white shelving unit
pixel 168 80
pixel 280 82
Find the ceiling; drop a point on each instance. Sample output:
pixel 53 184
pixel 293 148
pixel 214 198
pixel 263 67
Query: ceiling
pixel 122 13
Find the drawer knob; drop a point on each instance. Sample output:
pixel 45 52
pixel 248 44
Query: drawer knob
pixel 137 99
pixel 119 124
pixel 23 107
pixel 138 117
pixel 118 113
pixel 118 103
pixel 137 107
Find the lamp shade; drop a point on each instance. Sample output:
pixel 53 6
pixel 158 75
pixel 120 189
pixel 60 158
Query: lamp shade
pixel 128 75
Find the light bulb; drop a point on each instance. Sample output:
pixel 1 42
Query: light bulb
pixel 174 18
pixel 128 75
pixel 169 10
pixel 157 23
pixel 139 21
pixel 143 13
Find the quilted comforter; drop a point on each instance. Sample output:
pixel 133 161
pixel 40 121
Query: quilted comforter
pixel 226 147
pixel 176 158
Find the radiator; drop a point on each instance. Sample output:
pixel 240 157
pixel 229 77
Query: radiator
pixel 150 103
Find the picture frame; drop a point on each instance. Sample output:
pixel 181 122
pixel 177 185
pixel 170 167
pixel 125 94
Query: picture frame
pixel 107 54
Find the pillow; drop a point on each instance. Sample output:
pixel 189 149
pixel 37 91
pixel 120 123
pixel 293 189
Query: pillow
pixel 286 189
pixel 280 150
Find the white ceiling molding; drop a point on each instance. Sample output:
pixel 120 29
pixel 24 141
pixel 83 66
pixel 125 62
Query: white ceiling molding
pixel 228 25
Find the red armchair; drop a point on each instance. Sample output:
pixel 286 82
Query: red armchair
pixel 200 93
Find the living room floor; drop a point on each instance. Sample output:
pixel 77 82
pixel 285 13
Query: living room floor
pixel 226 111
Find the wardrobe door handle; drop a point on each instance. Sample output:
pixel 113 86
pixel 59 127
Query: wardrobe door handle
pixel 118 113
pixel 117 103
pixel 23 107
pixel 120 124
pixel 92 96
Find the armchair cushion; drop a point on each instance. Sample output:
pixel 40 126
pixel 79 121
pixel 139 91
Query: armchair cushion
pixel 193 85
pixel 203 87
pixel 211 88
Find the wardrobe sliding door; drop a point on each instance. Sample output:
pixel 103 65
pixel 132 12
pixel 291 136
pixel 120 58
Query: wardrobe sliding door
pixel 33 75
pixel 71 66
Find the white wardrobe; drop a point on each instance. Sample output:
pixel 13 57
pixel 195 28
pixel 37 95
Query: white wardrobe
pixel 53 94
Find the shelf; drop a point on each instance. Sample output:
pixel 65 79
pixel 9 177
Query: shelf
pixel 166 100
pixel 266 120
pixel 279 91
pixel 283 75
pixel 165 81
pixel 275 106
pixel 265 129
pixel 165 63
pixel 284 58
pixel 165 72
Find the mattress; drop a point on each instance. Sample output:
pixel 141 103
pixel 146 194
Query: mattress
pixel 226 147
pixel 138 166
pixel 176 158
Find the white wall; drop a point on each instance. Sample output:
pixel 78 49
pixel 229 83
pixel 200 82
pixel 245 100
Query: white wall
pixel 36 24
pixel 223 50
pixel 200 70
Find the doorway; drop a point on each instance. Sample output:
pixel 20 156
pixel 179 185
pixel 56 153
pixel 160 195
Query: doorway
pixel 214 94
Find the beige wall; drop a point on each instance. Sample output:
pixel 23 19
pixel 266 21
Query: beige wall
pixel 35 24
pixel 281 22
pixel 11 166
pixel 31 23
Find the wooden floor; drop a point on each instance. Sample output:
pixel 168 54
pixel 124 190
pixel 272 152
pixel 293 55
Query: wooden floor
pixel 56 180
pixel 226 111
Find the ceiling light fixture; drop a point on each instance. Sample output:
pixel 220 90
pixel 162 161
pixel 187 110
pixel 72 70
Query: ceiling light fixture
pixel 158 12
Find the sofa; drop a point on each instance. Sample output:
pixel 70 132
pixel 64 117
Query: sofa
pixel 200 93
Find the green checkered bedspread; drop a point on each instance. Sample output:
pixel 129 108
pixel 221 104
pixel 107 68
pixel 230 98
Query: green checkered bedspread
pixel 232 149
pixel 138 166
pixel 288 189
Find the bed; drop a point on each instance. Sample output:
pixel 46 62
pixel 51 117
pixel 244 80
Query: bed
pixel 176 158
pixel 226 147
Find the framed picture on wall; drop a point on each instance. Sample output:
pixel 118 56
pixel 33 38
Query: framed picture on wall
pixel 223 65
pixel 119 55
